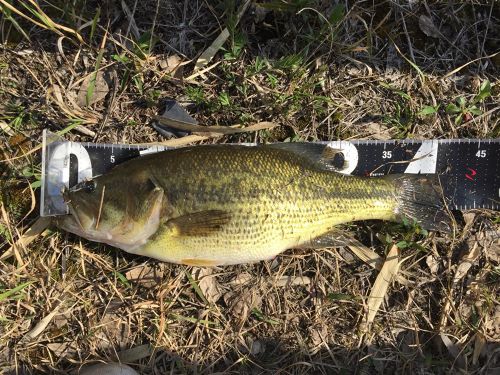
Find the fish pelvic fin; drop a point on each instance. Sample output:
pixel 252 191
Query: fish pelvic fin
pixel 420 199
pixel 202 223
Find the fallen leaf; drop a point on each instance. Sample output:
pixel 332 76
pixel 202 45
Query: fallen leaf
pixel 146 275
pixel 257 347
pixel 242 278
pixel 490 241
pixel 375 130
pixel 61 320
pixel 241 304
pixel 292 280
pixel 428 27
pixel 136 353
pixel 41 325
pixel 6 128
pixel 478 347
pixel 216 45
pixel 109 369
pixel 466 262
pixel 94 94
pixel 61 349
pixel 379 289
pixel 318 335
pixel 469 218
pixel 112 330
pixel 20 141
pixel 172 65
pixel 54 93
pixel 453 350
pixel 492 325
pixel 259 13
pixel 208 284
pixel 432 263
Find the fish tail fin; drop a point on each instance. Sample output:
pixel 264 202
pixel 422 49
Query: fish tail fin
pixel 420 199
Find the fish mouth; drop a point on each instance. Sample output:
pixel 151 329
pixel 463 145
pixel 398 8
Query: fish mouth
pixel 74 214
pixel 78 221
pixel 70 222
pixel 78 215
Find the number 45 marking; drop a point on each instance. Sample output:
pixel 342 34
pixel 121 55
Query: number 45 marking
pixel 481 153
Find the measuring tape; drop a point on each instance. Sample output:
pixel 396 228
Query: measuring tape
pixel 469 169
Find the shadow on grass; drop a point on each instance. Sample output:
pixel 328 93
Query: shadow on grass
pixel 415 353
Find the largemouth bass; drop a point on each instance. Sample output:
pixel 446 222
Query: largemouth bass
pixel 229 204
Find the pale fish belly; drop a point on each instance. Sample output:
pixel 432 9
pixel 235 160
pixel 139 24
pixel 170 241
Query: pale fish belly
pixel 239 244
pixel 214 250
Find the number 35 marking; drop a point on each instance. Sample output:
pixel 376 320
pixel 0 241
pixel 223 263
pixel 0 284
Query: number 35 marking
pixel 386 154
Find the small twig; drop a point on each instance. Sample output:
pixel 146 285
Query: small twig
pixel 207 130
pixel 468 63
pixel 29 236
pixel 379 289
pixel 100 207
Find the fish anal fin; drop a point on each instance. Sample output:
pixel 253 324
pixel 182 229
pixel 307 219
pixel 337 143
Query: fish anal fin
pixel 195 262
pixel 202 223
pixel 333 238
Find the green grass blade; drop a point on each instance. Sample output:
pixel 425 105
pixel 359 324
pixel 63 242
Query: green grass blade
pixel 91 88
pixel 196 287
pixel 193 320
pixel 9 293
pixel 94 24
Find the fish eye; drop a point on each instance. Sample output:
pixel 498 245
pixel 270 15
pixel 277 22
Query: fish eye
pixel 89 186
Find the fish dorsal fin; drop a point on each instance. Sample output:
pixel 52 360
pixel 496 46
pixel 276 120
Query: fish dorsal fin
pixel 202 223
pixel 322 155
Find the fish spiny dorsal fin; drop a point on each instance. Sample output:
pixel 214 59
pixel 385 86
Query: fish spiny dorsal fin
pixel 321 155
pixel 202 223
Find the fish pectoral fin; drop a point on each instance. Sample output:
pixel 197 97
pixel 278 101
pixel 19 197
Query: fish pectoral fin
pixel 202 223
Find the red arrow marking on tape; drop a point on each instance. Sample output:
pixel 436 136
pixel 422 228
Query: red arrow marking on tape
pixel 471 175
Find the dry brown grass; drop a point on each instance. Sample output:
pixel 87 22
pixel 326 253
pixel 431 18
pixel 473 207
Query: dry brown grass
pixel 65 302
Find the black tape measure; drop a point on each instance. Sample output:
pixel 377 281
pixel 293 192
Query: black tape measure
pixel 469 169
